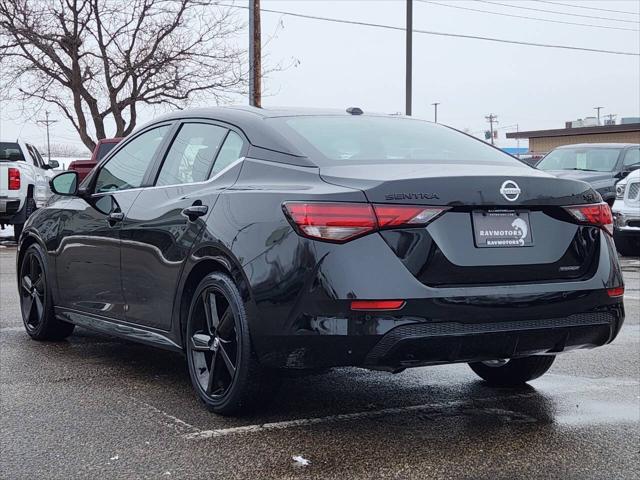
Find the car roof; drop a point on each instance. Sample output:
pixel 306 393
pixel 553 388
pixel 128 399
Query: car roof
pixel 251 121
pixel 598 145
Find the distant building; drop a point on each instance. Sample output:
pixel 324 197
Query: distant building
pixel 543 141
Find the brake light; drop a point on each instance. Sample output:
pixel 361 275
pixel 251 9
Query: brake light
pixel 597 214
pixel 377 304
pixel 615 292
pixel 340 222
pixel 14 178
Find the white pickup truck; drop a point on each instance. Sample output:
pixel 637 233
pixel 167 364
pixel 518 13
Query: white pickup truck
pixel 24 183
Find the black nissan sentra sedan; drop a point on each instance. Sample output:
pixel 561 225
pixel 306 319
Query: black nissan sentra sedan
pixel 259 241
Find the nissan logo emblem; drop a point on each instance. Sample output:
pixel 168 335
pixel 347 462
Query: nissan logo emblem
pixel 510 190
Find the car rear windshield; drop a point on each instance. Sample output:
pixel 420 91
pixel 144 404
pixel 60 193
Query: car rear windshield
pixel 10 152
pixel 370 139
pixel 586 159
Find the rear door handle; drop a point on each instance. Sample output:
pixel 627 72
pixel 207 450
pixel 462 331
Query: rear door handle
pixel 195 211
pixel 115 217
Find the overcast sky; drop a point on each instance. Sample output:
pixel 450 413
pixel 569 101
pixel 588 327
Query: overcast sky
pixel 350 65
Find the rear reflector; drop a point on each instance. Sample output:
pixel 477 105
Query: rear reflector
pixel 340 222
pixel 597 214
pixel 615 292
pixel 14 178
pixel 377 304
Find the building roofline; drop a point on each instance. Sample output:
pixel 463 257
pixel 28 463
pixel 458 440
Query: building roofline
pixel 564 132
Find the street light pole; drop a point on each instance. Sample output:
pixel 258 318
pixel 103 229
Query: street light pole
pixel 409 57
pixel 255 55
pixel 435 111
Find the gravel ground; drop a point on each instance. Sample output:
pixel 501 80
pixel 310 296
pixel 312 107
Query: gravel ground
pixel 99 407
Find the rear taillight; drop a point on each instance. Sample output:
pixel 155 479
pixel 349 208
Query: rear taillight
pixel 597 214
pixel 14 178
pixel 340 222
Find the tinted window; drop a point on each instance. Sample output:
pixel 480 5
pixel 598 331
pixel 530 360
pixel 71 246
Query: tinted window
pixel 363 139
pixel 191 154
pixel 229 153
pixel 587 159
pixel 127 167
pixel 10 151
pixel 103 150
pixel 632 157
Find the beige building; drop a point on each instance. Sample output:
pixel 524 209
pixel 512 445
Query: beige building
pixel 543 141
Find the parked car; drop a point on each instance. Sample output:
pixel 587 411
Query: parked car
pixel 600 164
pixel 103 147
pixel 259 240
pixel 626 214
pixel 24 183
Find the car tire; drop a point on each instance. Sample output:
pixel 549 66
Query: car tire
pixel 30 207
pixel 626 245
pixel 36 301
pixel 513 372
pixel 224 371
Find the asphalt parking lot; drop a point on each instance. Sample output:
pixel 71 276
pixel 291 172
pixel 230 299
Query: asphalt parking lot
pixel 99 407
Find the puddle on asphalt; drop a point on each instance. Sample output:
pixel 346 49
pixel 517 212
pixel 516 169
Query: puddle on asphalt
pixel 593 412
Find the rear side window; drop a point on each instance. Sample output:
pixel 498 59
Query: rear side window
pixel 192 154
pixel 229 153
pixel 357 139
pixel 127 167
pixel 10 151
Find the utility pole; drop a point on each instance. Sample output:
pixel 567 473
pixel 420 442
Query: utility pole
pixel 491 118
pixel 47 122
pixel 598 110
pixel 435 111
pixel 255 55
pixel 610 119
pixel 409 59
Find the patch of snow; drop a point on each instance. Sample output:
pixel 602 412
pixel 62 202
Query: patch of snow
pixel 6 232
pixel 300 461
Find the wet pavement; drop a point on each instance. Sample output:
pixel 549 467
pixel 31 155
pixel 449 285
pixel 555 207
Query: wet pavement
pixel 99 407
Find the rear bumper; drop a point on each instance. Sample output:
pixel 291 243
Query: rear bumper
pixel 391 342
pixel 10 211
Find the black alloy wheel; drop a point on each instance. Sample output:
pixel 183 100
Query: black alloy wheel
pixel 214 343
pixel 223 369
pixel 36 304
pixel 33 284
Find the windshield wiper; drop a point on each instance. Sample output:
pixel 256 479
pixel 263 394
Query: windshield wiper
pixel 582 169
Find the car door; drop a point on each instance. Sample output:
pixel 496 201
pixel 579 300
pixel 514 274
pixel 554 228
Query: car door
pixel 88 257
pixel 41 190
pixel 165 220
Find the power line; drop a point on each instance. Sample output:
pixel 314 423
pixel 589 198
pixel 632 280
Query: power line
pixel 556 12
pixel 586 8
pixel 525 17
pixel 441 34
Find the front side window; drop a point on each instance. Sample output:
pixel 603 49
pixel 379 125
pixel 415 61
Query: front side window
pixel 632 157
pixel 229 153
pixel 192 154
pixel 127 167
pixel 586 159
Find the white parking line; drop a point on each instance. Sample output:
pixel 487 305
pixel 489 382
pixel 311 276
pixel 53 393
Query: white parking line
pixel 603 384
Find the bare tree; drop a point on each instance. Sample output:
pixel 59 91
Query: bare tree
pixel 99 60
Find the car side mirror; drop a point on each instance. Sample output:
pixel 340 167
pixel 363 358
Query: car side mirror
pixel 65 183
pixel 52 164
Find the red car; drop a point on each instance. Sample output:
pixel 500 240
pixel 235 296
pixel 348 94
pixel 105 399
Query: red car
pixel 103 147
